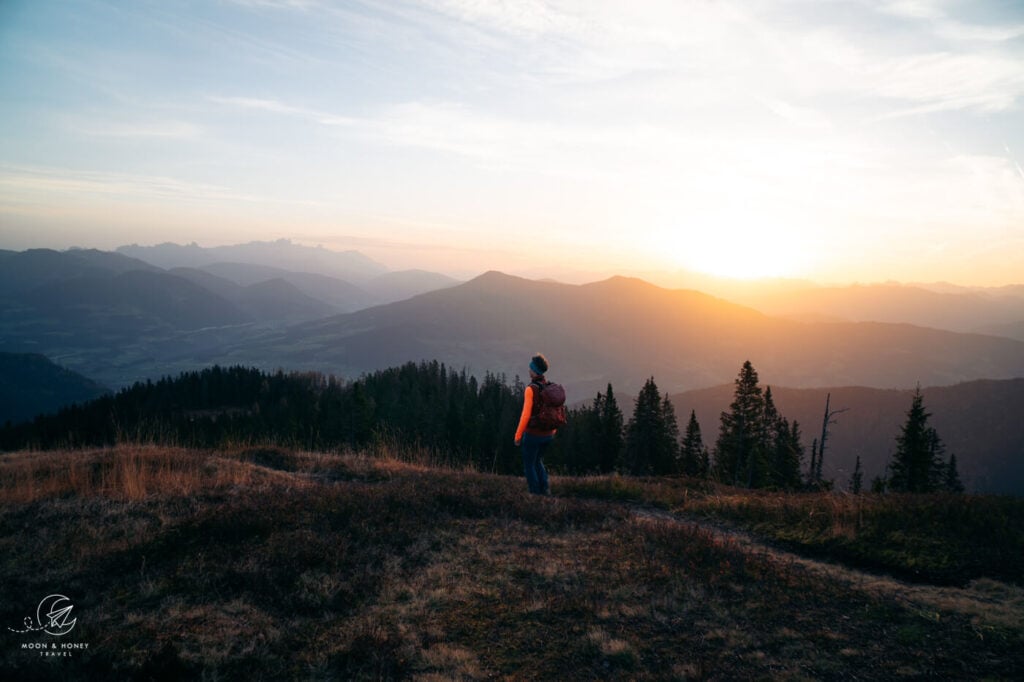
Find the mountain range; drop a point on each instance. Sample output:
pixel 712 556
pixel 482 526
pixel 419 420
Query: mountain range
pixel 623 331
pixel 345 265
pixel 998 312
pixel 117 319
pixel 145 312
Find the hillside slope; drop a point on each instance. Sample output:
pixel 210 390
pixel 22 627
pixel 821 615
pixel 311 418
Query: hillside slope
pixel 625 330
pixel 30 384
pixel 961 311
pixel 261 563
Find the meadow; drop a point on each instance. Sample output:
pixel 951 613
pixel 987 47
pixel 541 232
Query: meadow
pixel 266 563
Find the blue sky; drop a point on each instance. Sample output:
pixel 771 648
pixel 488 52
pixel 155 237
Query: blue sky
pixel 860 140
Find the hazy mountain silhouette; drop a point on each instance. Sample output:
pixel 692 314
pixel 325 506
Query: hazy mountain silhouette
pixel 979 421
pixel 31 385
pixel 346 265
pixel 625 330
pixel 25 270
pixel 403 284
pixel 987 311
pixel 120 319
pixel 99 308
pixel 343 296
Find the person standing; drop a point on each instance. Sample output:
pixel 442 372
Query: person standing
pixel 535 437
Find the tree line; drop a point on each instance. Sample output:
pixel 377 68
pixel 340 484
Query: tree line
pixel 465 422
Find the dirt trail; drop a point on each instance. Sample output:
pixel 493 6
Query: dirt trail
pixel 989 603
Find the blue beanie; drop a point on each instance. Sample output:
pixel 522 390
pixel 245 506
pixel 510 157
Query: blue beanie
pixel 538 364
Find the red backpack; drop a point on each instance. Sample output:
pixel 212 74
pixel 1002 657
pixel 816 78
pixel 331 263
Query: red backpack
pixel 548 407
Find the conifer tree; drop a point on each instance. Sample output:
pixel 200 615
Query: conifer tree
pixel 763 472
pixel 788 454
pixel 667 461
pixel 650 443
pixel 952 481
pixel 917 466
pixel 694 457
pixel 812 471
pixel 740 441
pixel 857 479
pixel 609 441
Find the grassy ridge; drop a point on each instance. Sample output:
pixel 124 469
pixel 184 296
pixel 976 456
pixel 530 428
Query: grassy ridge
pixel 936 539
pixel 268 564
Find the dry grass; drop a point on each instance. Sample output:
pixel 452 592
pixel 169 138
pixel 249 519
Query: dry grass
pixel 935 539
pixel 259 563
pixel 124 473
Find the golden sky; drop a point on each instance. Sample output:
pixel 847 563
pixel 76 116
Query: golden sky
pixel 863 140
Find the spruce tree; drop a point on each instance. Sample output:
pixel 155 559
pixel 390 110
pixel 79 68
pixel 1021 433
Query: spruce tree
pixel 917 466
pixel 857 479
pixel 648 439
pixel 739 444
pixel 609 442
pixel 694 457
pixel 764 473
pixel 952 481
pixel 667 461
pixel 788 454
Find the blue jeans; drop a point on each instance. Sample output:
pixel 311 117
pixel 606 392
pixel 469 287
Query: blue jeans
pixel 533 463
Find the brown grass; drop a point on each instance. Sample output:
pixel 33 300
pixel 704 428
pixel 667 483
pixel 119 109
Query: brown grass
pixel 259 563
pixel 124 473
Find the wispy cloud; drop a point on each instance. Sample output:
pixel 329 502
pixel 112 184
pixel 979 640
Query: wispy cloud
pixel 944 82
pixel 22 181
pixel 278 4
pixel 274 106
pixel 178 130
pixel 935 16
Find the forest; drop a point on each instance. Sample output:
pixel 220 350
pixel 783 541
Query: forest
pixel 453 419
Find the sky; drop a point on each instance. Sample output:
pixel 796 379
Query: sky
pixel 839 141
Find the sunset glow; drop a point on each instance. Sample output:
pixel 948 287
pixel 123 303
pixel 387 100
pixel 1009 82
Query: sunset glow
pixel 865 141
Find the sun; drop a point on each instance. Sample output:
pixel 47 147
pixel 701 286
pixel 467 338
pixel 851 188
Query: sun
pixel 738 246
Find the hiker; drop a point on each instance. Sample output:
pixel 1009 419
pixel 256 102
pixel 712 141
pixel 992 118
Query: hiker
pixel 542 414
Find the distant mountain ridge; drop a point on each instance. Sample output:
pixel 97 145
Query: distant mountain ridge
pixel 119 319
pixel 30 385
pixel 347 265
pixel 997 312
pixel 623 330
pixel 348 280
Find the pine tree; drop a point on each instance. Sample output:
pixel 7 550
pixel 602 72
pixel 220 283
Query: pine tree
pixel 788 454
pixel 667 461
pixel 917 466
pixel 739 444
pixel 857 479
pixel 952 481
pixel 694 457
pixel 764 473
pixel 609 439
pixel 649 441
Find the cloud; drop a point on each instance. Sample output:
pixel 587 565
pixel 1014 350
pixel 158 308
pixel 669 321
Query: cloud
pixel 274 106
pixel 278 4
pixel 525 18
pixel 944 82
pixel 934 15
pixel 179 130
pixel 24 181
pixel 914 9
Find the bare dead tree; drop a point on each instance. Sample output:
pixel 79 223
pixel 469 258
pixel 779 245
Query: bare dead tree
pixel 828 420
